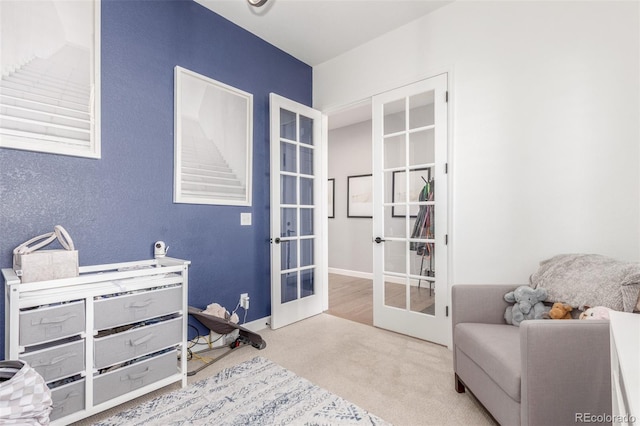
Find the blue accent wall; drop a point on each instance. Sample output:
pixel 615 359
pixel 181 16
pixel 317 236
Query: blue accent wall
pixel 115 208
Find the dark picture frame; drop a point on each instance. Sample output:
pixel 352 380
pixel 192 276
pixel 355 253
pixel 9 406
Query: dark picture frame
pixel 397 190
pixel 331 198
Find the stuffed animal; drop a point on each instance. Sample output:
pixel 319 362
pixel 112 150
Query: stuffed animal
pixel 597 312
pixel 527 304
pixel 559 311
pixel 216 310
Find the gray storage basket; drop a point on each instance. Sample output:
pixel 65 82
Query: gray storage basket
pixel 25 398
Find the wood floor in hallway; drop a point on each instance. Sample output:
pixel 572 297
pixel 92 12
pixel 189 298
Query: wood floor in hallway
pixel 352 298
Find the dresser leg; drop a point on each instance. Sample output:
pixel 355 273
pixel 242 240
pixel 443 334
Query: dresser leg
pixel 459 384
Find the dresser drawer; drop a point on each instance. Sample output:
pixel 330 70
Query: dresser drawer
pixel 119 310
pixel 67 399
pixel 51 323
pixel 133 343
pixel 123 380
pixel 57 362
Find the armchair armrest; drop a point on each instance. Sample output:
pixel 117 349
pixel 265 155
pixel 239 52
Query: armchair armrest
pixel 479 303
pixel 565 369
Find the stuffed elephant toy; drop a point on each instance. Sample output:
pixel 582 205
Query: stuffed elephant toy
pixel 527 304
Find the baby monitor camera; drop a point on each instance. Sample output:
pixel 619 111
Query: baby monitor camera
pixel 160 249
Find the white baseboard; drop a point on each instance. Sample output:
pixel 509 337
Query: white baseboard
pixel 349 273
pixel 258 325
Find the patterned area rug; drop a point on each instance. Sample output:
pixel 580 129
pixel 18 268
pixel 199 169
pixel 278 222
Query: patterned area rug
pixel 256 392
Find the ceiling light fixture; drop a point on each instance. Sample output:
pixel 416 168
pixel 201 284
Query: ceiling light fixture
pixel 257 3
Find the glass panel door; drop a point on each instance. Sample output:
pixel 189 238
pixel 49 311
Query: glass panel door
pixel 410 205
pixel 296 282
pixel 408 173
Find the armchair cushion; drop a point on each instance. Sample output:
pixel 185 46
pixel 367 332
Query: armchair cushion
pixel 495 348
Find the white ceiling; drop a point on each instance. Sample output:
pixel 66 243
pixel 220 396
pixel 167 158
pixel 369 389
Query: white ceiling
pixel 315 31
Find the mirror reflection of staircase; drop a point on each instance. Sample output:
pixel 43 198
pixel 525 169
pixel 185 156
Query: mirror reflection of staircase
pixel 49 98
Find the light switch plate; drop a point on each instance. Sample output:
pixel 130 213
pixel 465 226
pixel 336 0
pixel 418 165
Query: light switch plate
pixel 245 219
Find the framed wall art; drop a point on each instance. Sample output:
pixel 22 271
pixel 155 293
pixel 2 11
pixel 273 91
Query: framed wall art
pixel 417 179
pixel 50 64
pixel 213 141
pixel 360 196
pixel 331 198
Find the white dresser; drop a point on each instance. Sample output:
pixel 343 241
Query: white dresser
pixel 625 368
pixel 112 334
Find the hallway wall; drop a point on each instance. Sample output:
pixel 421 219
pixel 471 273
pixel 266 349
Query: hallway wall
pixel 350 245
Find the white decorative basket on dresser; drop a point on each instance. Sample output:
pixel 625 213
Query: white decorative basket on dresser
pixel 114 333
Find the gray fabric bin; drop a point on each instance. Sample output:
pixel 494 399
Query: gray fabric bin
pixel 57 361
pixel 123 380
pixel 119 310
pixel 119 347
pixel 51 323
pixel 67 399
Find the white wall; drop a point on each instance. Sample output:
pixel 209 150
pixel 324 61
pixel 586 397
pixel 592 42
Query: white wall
pixel 545 125
pixel 350 246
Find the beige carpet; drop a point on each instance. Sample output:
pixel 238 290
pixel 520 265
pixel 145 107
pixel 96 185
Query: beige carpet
pixel 402 380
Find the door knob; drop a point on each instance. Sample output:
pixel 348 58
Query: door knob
pixel 378 240
pixel 277 240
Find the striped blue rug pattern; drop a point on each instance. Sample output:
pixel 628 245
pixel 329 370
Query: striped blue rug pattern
pixel 256 392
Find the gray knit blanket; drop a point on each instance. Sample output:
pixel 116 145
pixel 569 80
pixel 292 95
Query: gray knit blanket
pixel 589 280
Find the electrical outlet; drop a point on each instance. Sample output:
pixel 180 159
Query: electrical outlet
pixel 244 301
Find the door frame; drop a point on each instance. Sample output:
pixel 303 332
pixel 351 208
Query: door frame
pixel 367 97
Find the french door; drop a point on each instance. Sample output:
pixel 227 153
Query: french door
pixel 298 280
pixel 410 210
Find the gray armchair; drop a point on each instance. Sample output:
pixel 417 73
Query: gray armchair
pixel 545 372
